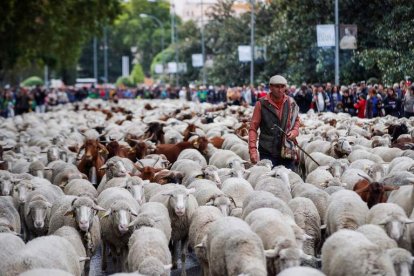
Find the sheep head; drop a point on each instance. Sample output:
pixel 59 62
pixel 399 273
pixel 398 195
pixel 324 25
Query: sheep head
pixel 83 209
pixel 178 200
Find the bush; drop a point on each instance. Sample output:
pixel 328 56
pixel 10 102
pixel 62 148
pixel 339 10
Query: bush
pixel 32 81
pixel 126 81
pixel 137 74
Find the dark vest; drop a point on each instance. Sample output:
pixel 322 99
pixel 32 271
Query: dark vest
pixel 271 138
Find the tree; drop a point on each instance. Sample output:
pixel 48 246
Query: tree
pixel 137 75
pixel 49 32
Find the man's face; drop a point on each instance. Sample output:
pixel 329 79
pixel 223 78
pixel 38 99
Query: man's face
pixel 277 90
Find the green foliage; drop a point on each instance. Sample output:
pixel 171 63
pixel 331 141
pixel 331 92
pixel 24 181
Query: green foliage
pixel 49 32
pixel 126 81
pixel 32 81
pixel 137 74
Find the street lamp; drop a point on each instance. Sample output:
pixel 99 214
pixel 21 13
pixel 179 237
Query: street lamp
pixel 144 15
pixel 252 44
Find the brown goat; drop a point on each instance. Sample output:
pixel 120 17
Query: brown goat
pixel 372 193
pixel 189 131
pixel 217 141
pixel 171 151
pixel 94 157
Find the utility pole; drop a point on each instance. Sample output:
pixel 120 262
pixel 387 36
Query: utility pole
pixel 203 49
pixel 106 54
pixel 252 44
pixel 173 39
pixel 336 42
pixel 95 59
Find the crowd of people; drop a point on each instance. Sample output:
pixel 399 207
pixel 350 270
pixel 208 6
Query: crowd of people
pixel 357 99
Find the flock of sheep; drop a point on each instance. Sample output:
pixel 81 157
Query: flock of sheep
pixel 347 212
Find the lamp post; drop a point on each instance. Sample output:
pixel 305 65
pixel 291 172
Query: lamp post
pixel 252 44
pixel 203 48
pixel 144 15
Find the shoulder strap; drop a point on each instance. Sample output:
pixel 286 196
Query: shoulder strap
pixel 285 114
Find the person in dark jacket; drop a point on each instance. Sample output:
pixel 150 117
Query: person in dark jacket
pixel 303 98
pixel 348 102
pixel 275 110
pixel 40 99
pixel 392 105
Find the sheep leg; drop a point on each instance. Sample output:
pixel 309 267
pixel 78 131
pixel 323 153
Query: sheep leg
pixel 104 257
pixel 174 254
pixel 184 248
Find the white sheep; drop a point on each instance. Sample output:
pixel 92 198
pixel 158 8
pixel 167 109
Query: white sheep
pixel 153 214
pixel 362 164
pixel 357 256
pixel 360 154
pixel 236 189
pixel 319 177
pixel 148 252
pixel 307 217
pixel 181 206
pixel 400 164
pixel 120 206
pixel 10 244
pixel 346 210
pixel 394 220
pixel 194 155
pixel 402 261
pixel 79 213
pixel 45 252
pixel 404 196
pixel 234 249
pixel 352 176
pixel 319 197
pixel 387 154
pixel 300 271
pixel 78 187
pixel 222 158
pixel 276 186
pixel 211 195
pixel 280 244
pixel 199 227
pixel 263 199
pixel 9 216
pixel 377 235
pixel 74 237
pixel 45 271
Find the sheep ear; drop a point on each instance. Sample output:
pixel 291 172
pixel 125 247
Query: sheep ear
pixel 49 205
pixel 270 253
pixel 167 267
pixel 305 256
pixel 322 227
pixel 104 167
pixel 70 212
pixel 133 213
pixel 167 193
pixel 82 259
pixel 210 203
pixel 307 237
pixel 408 221
pixel 107 213
pixel 98 208
pixel 271 173
pixel 190 191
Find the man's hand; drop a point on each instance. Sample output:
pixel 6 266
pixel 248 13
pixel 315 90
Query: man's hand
pixel 253 157
pixel 291 135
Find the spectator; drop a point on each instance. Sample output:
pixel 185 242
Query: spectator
pixel 335 98
pixel 320 99
pixel 22 102
pixel 40 99
pixel 373 104
pixel 360 105
pixel 303 98
pixel 348 102
pixel 409 103
pixel 392 105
